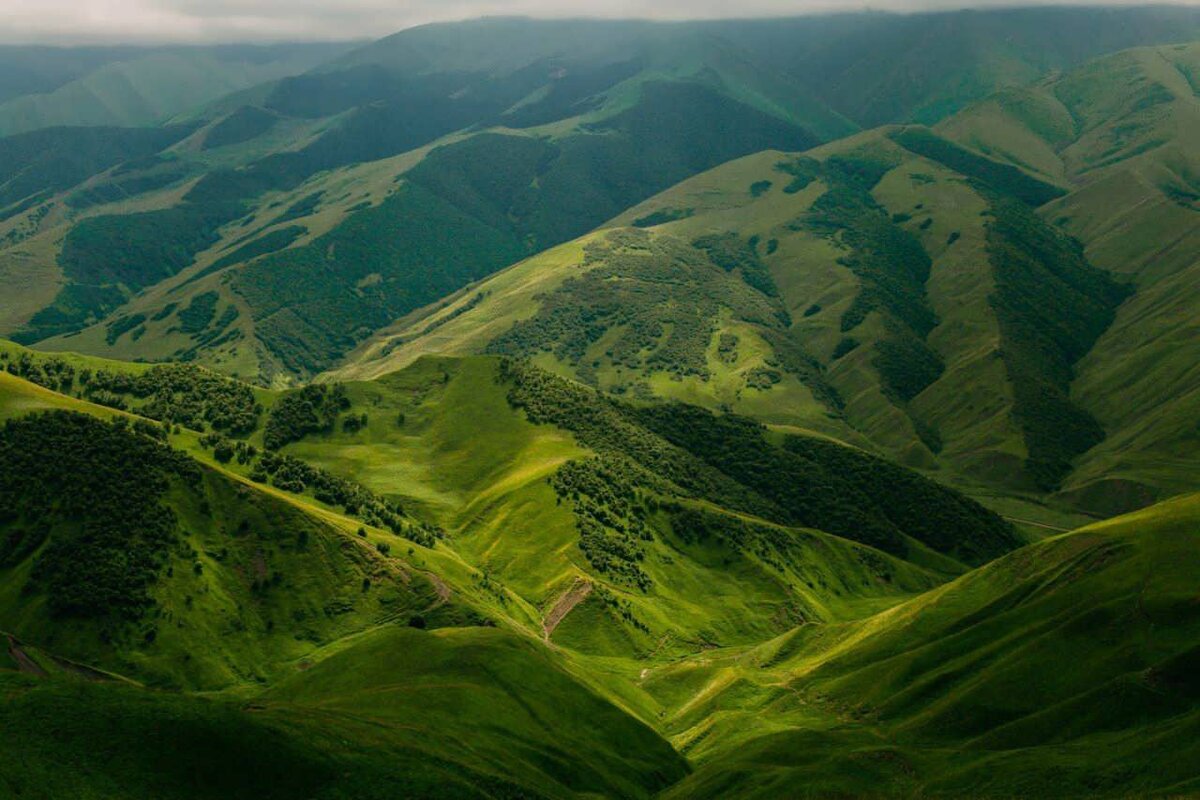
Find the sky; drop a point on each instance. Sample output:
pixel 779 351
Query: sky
pixel 155 21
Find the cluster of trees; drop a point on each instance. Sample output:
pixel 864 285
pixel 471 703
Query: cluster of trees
pixel 946 521
pixel 687 451
pixel 310 409
pixel 181 394
pixel 731 252
pixel 293 475
pixel 1052 306
pixel 1003 178
pixel 890 264
pixel 663 216
pixel 773 545
pixel 610 516
pixel 52 373
pixel 91 492
pixel 663 295
pixel 225 450
pixel 121 326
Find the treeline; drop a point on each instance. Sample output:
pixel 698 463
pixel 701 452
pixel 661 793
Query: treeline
pixel 727 460
pixel 1052 306
pixel 609 515
pixel 181 394
pixel 310 409
pixel 296 476
pixel 1003 178
pixel 85 496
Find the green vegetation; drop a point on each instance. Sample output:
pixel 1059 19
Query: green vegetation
pixel 621 421
pixel 728 460
pixel 1001 178
pixel 1052 306
pixel 272 242
pixel 653 300
pixel 1104 708
pixel 307 410
pixel 45 162
pixel 247 123
pixel 889 262
pixel 655 545
pixel 84 495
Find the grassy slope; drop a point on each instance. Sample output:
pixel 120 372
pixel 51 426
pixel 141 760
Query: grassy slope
pixel 342 137
pixel 463 713
pixel 886 689
pixel 321 722
pixel 486 483
pixel 1114 131
pixel 515 545
pixel 1120 132
pixel 1008 681
pixel 969 405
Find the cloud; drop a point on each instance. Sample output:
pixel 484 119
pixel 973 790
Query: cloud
pixel 77 21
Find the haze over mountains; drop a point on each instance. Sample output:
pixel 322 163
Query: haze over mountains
pixel 544 408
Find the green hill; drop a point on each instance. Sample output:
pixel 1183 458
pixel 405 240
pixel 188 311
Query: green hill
pixel 877 289
pixel 142 86
pixel 587 118
pixel 1066 668
pixel 469 713
pixel 900 289
pixel 654 520
pixel 1118 132
pixel 493 582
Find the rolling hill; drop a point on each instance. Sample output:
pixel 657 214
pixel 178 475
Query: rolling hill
pixel 617 589
pixel 586 118
pixel 906 287
pixel 573 408
pixel 965 690
pixel 1119 134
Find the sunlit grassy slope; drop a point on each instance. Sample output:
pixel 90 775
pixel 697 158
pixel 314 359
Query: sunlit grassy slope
pixel 768 656
pixel 442 439
pixel 787 356
pixel 1011 681
pixel 894 681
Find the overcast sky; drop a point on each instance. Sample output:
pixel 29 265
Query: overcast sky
pixel 75 21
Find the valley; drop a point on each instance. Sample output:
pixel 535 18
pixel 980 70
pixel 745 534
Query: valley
pixel 560 408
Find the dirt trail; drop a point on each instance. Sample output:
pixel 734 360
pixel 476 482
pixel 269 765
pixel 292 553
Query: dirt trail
pixel 442 589
pixel 574 596
pixel 1039 524
pixel 23 660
